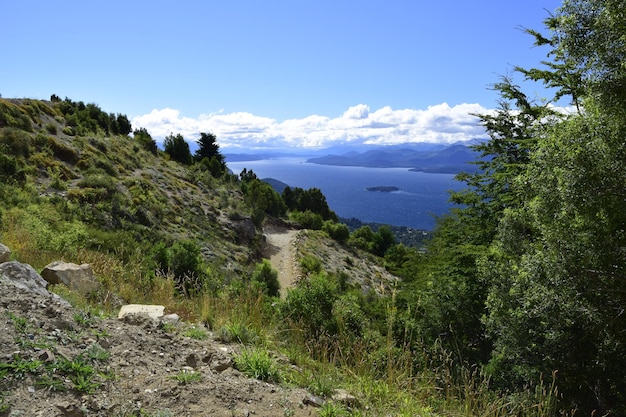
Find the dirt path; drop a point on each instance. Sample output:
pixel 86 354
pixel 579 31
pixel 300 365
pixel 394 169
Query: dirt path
pixel 281 253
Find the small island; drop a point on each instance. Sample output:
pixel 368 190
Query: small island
pixel 383 188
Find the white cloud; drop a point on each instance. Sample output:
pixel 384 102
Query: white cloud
pixel 440 123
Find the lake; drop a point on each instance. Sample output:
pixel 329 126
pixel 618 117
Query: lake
pixel 421 196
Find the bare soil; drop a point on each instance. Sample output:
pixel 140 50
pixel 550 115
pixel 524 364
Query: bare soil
pixel 145 359
pixel 280 249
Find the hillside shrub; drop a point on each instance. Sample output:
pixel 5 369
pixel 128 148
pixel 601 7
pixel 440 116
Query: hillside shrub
pixel 337 231
pixel 63 152
pixel 15 142
pixel 142 136
pixel 12 115
pixel 308 219
pixel 268 277
pixel 309 306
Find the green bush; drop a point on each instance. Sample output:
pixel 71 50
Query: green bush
pixel 268 277
pixel 15 142
pixel 257 363
pixel 310 306
pixel 337 231
pixel 308 219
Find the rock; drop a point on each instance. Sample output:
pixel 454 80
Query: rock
pixel 342 396
pixel 170 318
pixel 78 278
pixel 23 276
pixel 244 229
pixel 70 410
pixel 313 401
pixel 5 253
pixel 155 312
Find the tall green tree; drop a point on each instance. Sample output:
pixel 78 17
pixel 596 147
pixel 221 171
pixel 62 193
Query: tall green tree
pixel 177 148
pixel 557 266
pixel 208 154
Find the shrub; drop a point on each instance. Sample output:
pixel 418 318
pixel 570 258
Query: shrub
pixel 267 276
pixel 142 136
pixel 15 142
pixel 310 305
pixel 337 231
pixel 52 128
pixel 257 363
pixel 308 219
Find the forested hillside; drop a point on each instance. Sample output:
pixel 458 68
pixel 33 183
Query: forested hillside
pixel 514 307
pixel 528 278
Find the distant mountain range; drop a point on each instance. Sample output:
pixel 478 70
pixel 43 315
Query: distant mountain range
pixel 451 159
pixel 423 157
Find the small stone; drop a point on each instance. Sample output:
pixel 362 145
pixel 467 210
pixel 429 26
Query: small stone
pixel 313 401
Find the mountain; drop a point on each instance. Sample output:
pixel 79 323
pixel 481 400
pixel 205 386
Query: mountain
pixel 450 159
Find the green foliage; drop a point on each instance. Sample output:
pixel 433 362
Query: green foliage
pixel 268 277
pixel 185 377
pixel 298 199
pixel 239 332
pixel 85 119
pixel 377 243
pixel 15 142
pixel 310 305
pixel 177 148
pixel 197 333
pixel 142 136
pixel 182 260
pixel 209 149
pixel 307 219
pixel 337 231
pixel 258 363
pixel 14 115
pixel 261 197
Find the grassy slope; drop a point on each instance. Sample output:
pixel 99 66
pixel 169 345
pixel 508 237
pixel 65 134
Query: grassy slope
pixel 105 200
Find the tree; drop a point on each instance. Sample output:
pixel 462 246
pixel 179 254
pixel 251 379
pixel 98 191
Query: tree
pixel 557 266
pixel 177 148
pixel 208 148
pixel 142 136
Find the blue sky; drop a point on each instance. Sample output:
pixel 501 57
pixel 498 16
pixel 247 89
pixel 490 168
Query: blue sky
pixel 270 73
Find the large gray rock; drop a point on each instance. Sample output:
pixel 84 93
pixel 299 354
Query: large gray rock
pixel 155 312
pixel 23 276
pixel 5 253
pixel 78 278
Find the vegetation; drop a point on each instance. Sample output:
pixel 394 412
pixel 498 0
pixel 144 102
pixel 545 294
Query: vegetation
pixel 514 307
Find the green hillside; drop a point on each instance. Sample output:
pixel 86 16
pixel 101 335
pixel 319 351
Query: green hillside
pixel 514 307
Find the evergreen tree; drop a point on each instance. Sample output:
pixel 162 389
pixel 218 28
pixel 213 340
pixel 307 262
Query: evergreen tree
pixel 177 148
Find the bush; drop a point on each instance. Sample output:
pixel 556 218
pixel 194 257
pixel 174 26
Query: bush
pixel 308 219
pixel 268 277
pixel 15 142
pixel 257 363
pixel 310 305
pixel 142 136
pixel 337 231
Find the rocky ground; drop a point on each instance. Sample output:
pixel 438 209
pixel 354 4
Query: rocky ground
pixel 134 367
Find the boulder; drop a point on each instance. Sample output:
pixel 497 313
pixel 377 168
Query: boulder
pixel 78 278
pixel 23 276
pixel 155 312
pixel 5 253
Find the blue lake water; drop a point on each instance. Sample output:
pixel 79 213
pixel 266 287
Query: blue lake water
pixel 421 197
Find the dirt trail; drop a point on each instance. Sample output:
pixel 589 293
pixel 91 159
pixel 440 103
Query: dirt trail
pixel 281 253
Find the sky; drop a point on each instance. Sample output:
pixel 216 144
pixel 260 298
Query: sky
pixel 275 74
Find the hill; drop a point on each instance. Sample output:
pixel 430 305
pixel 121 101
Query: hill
pixel 452 159
pixel 345 335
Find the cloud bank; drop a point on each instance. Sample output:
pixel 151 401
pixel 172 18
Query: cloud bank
pixel 358 125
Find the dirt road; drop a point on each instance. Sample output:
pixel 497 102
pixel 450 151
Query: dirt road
pixel 281 253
